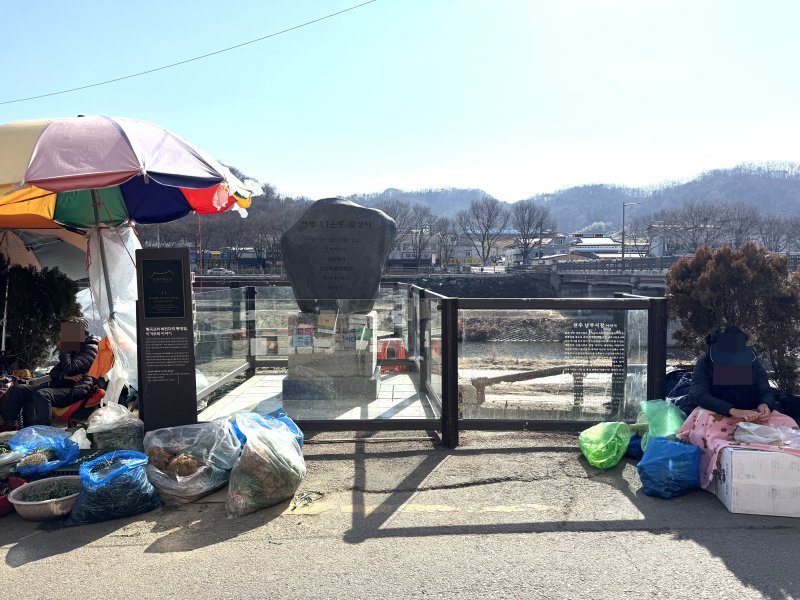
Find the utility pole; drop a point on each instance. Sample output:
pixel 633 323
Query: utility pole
pixel 624 204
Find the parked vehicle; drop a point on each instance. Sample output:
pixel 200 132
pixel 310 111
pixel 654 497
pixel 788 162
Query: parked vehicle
pixel 219 271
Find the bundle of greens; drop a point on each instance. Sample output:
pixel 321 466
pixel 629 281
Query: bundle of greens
pixel 269 470
pixel 51 491
pixel 39 456
pixel 113 485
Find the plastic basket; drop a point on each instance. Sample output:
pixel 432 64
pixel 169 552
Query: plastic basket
pixel 83 456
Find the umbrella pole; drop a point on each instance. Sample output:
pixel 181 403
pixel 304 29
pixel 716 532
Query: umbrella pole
pixel 5 316
pixel 103 260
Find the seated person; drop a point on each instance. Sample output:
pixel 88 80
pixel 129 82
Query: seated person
pixel 729 380
pixel 69 383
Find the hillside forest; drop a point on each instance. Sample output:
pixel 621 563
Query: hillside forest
pixel 759 203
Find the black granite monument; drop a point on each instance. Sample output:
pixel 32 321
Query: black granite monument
pixel 334 255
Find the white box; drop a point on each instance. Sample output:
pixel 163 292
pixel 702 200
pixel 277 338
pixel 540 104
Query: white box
pixel 758 482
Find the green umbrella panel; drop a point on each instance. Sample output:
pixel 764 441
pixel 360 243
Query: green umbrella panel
pixel 75 208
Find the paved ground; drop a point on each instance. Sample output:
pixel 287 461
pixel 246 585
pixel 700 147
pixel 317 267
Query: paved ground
pixel 503 516
pixel 397 398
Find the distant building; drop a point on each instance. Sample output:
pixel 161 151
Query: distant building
pixel 554 244
pixel 595 243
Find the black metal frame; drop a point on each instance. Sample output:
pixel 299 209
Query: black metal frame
pixel 656 357
pixel 450 424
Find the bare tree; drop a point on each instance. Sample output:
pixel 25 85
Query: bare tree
pixel 413 222
pixel 772 232
pixel 233 233
pixel 530 221
pixel 403 214
pixel 482 223
pixel 645 234
pixel 740 222
pixel 267 228
pixel 422 230
pixel 446 234
pixel 699 224
pixel 793 234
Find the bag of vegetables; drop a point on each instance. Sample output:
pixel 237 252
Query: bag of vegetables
pixel 189 461
pixel 45 448
pixel 269 469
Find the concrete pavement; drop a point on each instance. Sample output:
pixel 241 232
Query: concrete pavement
pixel 503 516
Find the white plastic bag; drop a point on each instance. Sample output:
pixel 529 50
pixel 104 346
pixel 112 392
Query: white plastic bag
pixel 189 461
pixel 79 437
pixel 115 428
pixel 110 417
pixel 270 468
pixel 754 433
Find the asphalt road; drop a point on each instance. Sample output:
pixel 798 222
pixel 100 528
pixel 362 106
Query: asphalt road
pixel 503 516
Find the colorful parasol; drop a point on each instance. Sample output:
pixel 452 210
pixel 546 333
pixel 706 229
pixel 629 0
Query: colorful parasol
pixel 84 171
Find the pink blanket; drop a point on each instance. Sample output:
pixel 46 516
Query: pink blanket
pixel 712 432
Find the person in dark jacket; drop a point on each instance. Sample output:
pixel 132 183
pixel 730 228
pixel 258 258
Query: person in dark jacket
pixel 69 382
pixel 729 380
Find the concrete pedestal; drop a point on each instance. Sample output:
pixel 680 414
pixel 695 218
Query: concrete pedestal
pixel 332 357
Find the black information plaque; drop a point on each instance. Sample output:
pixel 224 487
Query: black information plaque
pixel 163 289
pixel 167 389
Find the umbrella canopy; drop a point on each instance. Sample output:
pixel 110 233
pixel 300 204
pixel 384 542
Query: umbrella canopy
pixel 51 169
pixel 46 248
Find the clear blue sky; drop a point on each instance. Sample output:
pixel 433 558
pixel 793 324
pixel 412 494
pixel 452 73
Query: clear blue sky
pixel 515 97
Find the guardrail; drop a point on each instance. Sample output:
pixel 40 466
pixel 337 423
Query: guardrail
pixel 616 265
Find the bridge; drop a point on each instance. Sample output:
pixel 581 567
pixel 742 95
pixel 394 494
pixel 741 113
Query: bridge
pixel 590 278
pixel 604 278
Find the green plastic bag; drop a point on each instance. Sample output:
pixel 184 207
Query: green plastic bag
pixel 604 444
pixel 664 419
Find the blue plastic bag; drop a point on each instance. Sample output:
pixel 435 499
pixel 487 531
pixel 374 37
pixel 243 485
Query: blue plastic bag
pixel 270 421
pixel 270 468
pixel 281 415
pixel 113 485
pixel 635 447
pixel 44 437
pixel 668 468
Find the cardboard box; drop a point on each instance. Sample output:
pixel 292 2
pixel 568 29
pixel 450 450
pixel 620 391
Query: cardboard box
pixel 758 482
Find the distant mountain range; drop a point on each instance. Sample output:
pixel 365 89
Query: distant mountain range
pixel 773 187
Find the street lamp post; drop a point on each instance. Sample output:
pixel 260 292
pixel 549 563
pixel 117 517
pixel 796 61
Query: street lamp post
pixel 624 204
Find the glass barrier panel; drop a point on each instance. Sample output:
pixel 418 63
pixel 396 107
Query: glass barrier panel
pixel 636 337
pixel 274 304
pixel 335 359
pixel 435 354
pixel 220 335
pixel 551 364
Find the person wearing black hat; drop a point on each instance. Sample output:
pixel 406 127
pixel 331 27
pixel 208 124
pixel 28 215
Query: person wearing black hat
pixel 729 380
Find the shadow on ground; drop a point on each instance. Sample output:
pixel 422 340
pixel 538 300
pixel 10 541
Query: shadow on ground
pixel 200 525
pixel 754 548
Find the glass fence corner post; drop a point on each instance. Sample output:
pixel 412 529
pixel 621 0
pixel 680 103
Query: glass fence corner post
pixel 449 345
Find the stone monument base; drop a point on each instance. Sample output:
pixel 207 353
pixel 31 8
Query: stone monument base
pixel 332 357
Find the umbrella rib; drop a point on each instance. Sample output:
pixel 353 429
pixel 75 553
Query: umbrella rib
pixel 21 200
